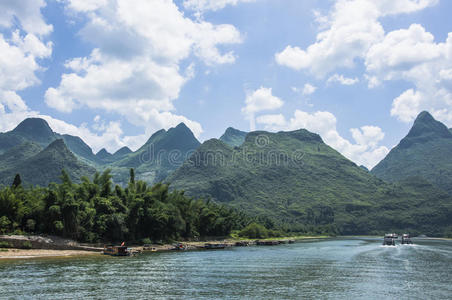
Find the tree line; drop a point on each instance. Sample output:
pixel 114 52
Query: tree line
pixel 98 211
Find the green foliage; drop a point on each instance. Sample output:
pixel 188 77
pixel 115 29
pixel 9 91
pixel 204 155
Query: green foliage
pixel 94 211
pixel 4 244
pixel 146 241
pixel 5 224
pixel 26 245
pixel 254 231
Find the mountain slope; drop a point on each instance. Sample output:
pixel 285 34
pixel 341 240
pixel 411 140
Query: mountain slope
pixel 18 154
pixel 79 147
pixel 163 153
pixel 46 166
pixel 296 179
pixel 425 152
pixel 233 137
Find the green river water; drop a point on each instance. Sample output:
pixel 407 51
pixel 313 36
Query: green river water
pixel 353 268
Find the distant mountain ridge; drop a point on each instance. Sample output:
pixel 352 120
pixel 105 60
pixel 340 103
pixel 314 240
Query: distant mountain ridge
pixel 292 178
pixel 425 152
pixel 296 179
pixel 32 135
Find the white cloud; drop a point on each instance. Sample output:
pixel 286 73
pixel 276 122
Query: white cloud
pixel 22 46
pixel 309 89
pixel 86 5
pixel 353 28
pixel 352 33
pixel 271 120
pixel 260 100
pixel 413 56
pixel 201 6
pixel 28 12
pixel 342 79
pixel 135 69
pixel 20 53
pixel 365 151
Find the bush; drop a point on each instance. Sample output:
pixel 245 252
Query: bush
pixel 254 231
pixel 5 224
pixel 30 225
pixel 5 245
pixel 146 241
pixel 26 245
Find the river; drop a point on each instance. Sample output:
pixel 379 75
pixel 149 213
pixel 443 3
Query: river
pixel 335 268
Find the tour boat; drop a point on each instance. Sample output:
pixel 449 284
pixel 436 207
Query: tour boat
pixel 389 239
pixel 406 240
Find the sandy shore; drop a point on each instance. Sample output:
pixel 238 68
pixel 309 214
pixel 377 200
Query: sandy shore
pixel 37 253
pixel 43 253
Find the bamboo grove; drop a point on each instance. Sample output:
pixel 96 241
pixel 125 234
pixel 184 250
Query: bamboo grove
pixel 96 210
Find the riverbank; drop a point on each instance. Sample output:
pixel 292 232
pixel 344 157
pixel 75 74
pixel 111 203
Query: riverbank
pixel 42 253
pixel 78 250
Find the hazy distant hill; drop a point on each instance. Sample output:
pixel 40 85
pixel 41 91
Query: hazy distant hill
pixel 46 166
pixel 425 152
pixel 233 137
pixel 297 179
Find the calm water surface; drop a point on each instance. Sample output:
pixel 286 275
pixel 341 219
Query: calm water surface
pixel 339 269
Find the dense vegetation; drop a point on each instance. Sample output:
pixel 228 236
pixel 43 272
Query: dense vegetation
pixel 303 185
pixel 424 152
pixel 94 211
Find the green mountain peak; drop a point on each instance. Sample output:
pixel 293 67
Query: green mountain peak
pixel 424 152
pixel 123 151
pixel 425 128
pixel 233 137
pixel 35 129
pixel 103 153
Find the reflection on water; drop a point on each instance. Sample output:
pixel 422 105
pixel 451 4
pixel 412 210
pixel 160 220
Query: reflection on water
pixel 337 268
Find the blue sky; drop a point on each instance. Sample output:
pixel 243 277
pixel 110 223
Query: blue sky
pixel 114 71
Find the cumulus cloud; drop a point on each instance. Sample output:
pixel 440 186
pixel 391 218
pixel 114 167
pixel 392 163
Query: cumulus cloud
pixel 352 33
pixel 413 56
pixel 22 46
pixel 364 151
pixel 271 120
pixel 259 100
pixel 309 89
pixel 201 6
pixel 353 27
pixel 28 12
pixel 135 69
pixel 342 79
